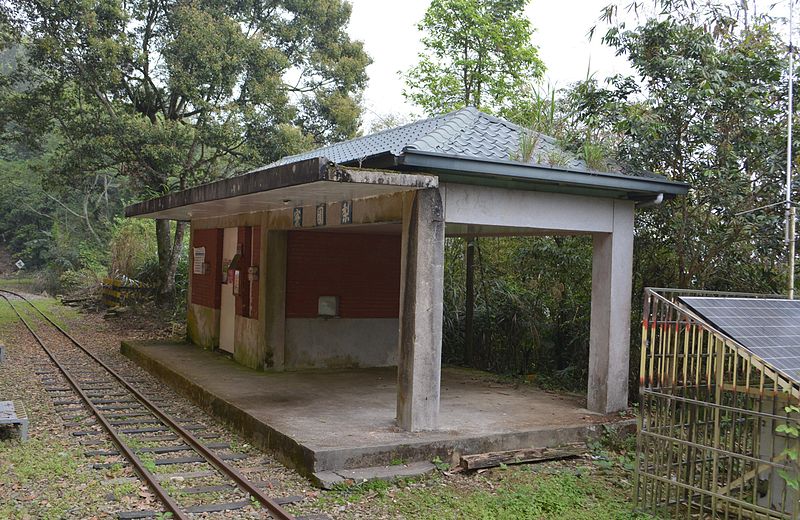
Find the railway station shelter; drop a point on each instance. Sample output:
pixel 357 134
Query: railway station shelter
pixel 334 258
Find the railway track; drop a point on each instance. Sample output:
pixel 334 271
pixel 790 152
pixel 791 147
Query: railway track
pixel 142 433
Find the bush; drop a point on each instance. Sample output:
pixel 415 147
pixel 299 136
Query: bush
pixel 532 307
pixel 133 247
pixel 82 280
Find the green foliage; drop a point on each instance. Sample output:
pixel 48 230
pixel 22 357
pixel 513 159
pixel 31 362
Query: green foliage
pixel 148 461
pixel 792 452
pixel 124 489
pixel 531 307
pixel 440 464
pixel 132 246
pixel 146 97
pixel 70 491
pixel 75 280
pixel 711 112
pixel 477 52
pixel 527 144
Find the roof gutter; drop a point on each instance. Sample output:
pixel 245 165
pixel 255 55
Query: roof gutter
pixel 483 171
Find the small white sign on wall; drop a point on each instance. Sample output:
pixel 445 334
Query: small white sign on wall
pixel 322 214
pixel 347 212
pixel 328 306
pixel 198 265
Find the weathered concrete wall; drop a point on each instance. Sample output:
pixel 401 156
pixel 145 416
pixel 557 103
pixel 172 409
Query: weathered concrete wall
pixel 273 298
pixel 261 343
pixel 373 210
pixel 340 342
pixel 249 347
pixel 202 326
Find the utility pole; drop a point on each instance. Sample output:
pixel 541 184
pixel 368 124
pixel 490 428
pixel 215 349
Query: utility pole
pixel 790 208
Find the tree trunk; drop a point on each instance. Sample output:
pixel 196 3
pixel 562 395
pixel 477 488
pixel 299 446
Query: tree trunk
pixel 169 252
pixel 163 246
pixel 469 314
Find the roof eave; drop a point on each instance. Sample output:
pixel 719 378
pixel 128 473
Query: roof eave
pixel 282 180
pixel 300 172
pixel 489 172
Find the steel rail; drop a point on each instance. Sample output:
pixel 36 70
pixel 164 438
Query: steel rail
pixel 274 508
pixel 146 475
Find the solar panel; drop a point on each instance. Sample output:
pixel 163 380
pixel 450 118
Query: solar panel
pixel 769 328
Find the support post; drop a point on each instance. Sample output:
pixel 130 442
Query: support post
pixel 274 288
pixel 421 292
pixel 609 342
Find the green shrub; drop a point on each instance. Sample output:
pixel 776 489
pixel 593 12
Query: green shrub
pixel 132 247
pixel 532 307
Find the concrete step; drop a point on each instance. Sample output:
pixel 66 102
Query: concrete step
pixel 328 479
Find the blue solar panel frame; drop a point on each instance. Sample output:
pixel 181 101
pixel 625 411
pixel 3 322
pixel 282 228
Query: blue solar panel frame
pixel 767 327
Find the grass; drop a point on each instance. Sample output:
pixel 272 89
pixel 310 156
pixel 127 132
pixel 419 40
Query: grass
pixel 22 283
pixel 7 317
pixel 148 462
pixel 124 489
pixel 43 479
pixel 36 460
pixel 513 493
pixel 60 314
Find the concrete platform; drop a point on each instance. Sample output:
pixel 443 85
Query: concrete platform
pixel 330 420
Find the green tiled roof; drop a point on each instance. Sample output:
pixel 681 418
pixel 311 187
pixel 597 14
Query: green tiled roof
pixel 466 133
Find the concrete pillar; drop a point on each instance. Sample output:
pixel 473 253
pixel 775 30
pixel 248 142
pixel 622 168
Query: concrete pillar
pixel 609 342
pixel 274 307
pixel 421 290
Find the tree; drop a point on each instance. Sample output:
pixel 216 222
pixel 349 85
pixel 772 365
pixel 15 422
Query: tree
pixel 164 94
pixel 477 53
pixel 710 111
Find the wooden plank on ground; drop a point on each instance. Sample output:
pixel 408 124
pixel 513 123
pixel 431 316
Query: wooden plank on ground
pixel 496 458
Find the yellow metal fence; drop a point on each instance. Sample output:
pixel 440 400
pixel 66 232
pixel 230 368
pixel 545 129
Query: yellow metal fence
pixel 707 442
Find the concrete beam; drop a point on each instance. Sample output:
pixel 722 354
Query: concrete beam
pixel 609 342
pixel 336 173
pixel 525 210
pixel 421 292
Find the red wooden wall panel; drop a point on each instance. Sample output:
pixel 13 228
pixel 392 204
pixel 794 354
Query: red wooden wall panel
pixel 255 260
pixel 363 270
pixel 243 298
pixel 206 288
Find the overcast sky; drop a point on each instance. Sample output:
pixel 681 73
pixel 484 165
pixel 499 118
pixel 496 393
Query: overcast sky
pixel 388 30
